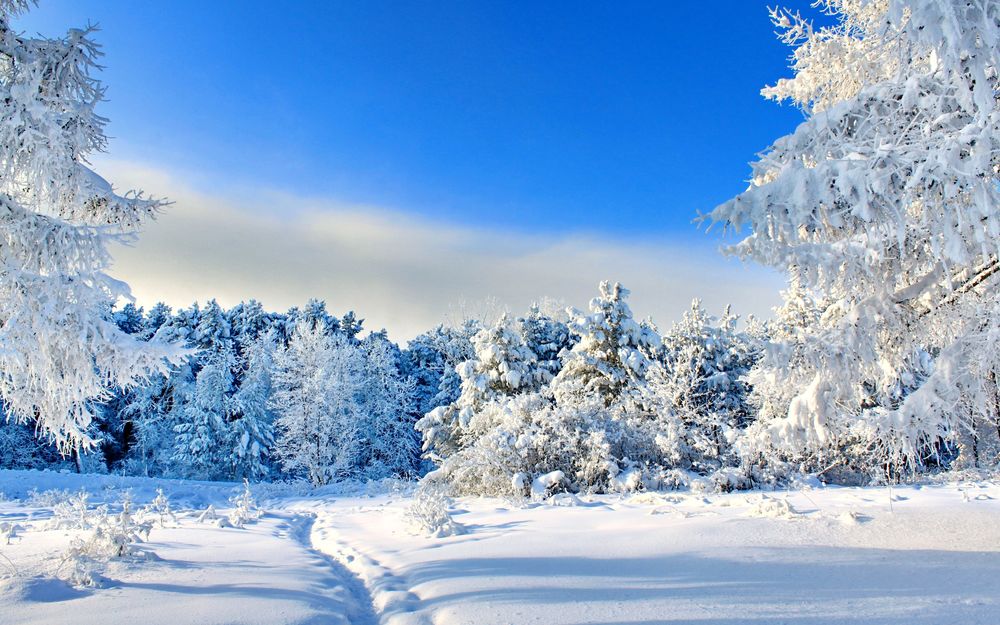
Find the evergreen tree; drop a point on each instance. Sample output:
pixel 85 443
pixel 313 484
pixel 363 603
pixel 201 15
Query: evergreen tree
pixel 455 346
pixel 609 361
pixel 390 444
pixel 203 435
pixel 315 314
pixel 547 338
pixel 424 363
pixel 501 366
pixel 213 331
pixel 157 316
pixel 350 326
pixel 248 322
pixel 130 319
pixel 315 393
pixel 59 351
pixel 884 202
pixel 699 395
pixel 253 424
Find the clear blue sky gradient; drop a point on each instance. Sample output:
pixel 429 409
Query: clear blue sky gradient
pixel 623 118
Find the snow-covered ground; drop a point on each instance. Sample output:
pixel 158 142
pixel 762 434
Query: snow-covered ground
pixel 922 554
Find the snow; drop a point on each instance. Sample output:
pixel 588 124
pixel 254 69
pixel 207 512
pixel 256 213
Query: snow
pixel 915 554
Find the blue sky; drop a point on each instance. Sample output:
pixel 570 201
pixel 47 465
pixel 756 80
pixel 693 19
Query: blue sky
pixel 555 115
pixel 618 120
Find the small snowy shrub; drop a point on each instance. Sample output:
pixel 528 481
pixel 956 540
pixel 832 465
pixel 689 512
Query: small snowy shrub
pixel 429 513
pixel 728 479
pixel 116 535
pixel 245 507
pixel 112 537
pixel 80 570
pixel 47 498
pixel 74 513
pixel 160 509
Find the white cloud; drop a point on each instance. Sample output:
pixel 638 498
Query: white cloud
pixel 398 271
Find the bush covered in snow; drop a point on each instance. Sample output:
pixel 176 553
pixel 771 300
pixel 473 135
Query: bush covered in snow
pixel 429 513
pixel 112 536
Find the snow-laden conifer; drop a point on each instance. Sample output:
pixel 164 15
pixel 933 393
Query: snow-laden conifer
pixel 884 203
pixel 253 421
pixel 390 445
pixel 59 351
pixel 316 382
pixel 611 355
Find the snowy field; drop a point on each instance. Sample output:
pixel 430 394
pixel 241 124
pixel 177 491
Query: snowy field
pixel 922 554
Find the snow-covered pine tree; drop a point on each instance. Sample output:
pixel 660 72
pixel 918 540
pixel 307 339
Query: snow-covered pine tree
pixel 130 319
pixel 698 395
pixel 153 411
pixel 501 366
pixel 213 331
pixel 390 445
pixel 284 324
pixel 204 438
pixel 546 337
pixel 424 363
pixel 181 328
pixel 315 393
pixel 582 424
pixel 157 405
pixel 253 421
pixel 315 314
pixel 202 409
pixel 155 318
pixel 249 321
pixel 885 202
pixel 59 351
pixel 350 326
pixel 610 358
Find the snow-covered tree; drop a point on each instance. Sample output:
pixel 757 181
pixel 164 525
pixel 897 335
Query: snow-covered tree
pixel 204 439
pixel 59 351
pixel 155 318
pixel 527 436
pixel 432 358
pixel 423 363
pixel 390 446
pixel 151 414
pixel 213 331
pixel 884 202
pixel 350 326
pixel 501 366
pixel 497 437
pixel 21 449
pixel 316 383
pixel 315 314
pixel 546 337
pixel 253 421
pixel 249 321
pixel 610 358
pixel 130 319
pixel 698 395
pixel 181 328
